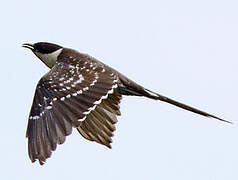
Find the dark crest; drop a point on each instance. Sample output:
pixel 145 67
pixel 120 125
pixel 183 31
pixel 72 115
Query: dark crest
pixel 45 48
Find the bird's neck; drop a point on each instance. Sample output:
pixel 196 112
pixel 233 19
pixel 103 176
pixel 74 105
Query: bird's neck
pixel 49 59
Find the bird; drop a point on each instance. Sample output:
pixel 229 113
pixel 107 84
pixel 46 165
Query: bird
pixel 79 92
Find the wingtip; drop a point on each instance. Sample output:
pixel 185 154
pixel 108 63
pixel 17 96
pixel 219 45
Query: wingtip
pixel 41 163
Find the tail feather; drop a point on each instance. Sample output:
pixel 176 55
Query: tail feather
pixel 129 87
pixel 156 96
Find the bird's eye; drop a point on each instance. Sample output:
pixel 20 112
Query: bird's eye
pixel 40 48
pixel 36 50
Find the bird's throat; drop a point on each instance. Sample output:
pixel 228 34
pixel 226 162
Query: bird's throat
pixel 49 59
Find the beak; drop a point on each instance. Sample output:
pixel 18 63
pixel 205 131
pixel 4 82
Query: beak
pixel 29 46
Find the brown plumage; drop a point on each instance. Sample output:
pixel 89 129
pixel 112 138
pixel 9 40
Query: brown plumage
pixel 79 92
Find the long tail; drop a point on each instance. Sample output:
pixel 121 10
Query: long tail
pixel 156 96
pixel 131 88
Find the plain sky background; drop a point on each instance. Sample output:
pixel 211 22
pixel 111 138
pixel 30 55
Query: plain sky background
pixel 183 49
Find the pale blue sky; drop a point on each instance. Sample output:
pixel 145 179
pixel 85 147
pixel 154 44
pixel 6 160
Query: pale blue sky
pixel 186 50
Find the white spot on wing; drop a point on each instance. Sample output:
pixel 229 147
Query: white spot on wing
pixel 34 117
pixel 85 89
pixel 82 119
pixel 98 102
pixel 90 109
pixel 74 94
pixel 79 92
pixel 71 66
pixel 61 79
pixel 48 107
pixel 94 82
pixel 80 76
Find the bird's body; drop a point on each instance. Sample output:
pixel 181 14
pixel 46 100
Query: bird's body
pixel 82 92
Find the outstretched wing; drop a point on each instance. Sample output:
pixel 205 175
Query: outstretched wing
pixel 100 123
pixel 64 98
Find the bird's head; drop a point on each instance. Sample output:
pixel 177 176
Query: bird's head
pixel 46 52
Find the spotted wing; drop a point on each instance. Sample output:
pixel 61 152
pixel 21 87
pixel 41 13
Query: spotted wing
pixel 64 98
